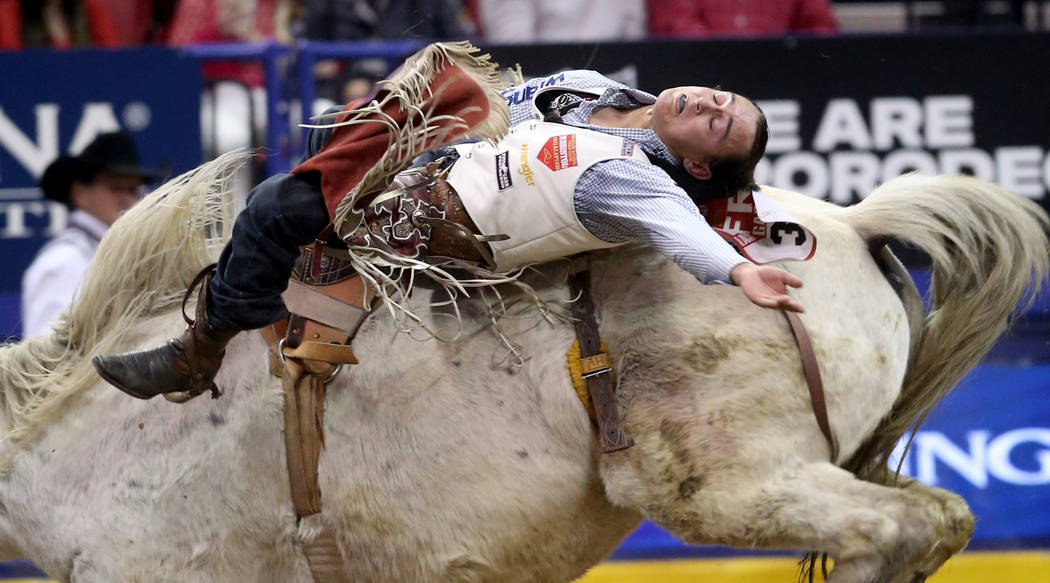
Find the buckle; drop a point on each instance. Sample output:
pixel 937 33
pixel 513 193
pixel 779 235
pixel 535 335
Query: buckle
pixel 595 373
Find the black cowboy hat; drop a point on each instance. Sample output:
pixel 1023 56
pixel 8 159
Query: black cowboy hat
pixel 112 152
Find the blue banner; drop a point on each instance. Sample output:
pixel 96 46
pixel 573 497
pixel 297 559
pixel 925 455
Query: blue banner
pixel 54 102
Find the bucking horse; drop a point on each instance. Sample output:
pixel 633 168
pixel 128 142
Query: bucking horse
pixel 465 454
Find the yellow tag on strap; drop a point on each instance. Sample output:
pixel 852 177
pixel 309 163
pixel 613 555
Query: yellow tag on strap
pixel 579 368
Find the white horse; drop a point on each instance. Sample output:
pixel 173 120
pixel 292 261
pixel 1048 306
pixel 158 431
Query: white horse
pixel 444 462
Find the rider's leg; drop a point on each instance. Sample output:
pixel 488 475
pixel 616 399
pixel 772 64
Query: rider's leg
pixel 283 213
pixel 254 267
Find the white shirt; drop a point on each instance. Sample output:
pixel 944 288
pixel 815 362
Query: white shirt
pixel 509 21
pixel 52 279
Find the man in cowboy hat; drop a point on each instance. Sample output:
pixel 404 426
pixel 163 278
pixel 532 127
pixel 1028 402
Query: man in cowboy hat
pixel 96 186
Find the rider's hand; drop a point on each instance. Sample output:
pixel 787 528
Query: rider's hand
pixel 766 286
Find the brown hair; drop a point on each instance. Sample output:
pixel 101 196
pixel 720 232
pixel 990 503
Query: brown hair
pixel 728 175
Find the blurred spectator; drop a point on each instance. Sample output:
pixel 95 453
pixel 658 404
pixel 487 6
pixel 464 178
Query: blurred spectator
pixel 59 24
pixel 519 21
pixel 355 20
pixel 97 186
pixel 700 18
pixel 346 20
pixel 237 86
pixel 361 77
pixel 214 21
pixel 132 19
pixel 10 24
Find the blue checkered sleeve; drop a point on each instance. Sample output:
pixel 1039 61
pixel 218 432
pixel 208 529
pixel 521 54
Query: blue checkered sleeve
pixel 632 201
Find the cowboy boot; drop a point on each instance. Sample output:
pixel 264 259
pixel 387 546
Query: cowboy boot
pixel 185 365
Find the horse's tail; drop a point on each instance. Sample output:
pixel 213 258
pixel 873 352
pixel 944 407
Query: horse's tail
pixel 989 251
pixel 142 266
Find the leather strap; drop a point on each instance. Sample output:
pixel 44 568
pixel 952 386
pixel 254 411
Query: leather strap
pixel 310 355
pixel 811 371
pixel 322 306
pixel 304 392
pixel 326 562
pixel 303 433
pixel 324 352
pixel 463 233
pixel 599 379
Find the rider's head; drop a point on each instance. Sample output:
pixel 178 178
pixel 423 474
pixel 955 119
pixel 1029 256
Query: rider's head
pixel 718 136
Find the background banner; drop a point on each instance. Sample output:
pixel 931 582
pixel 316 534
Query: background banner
pixel 847 112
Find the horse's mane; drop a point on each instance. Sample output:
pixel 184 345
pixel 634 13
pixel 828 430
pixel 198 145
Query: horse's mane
pixel 142 267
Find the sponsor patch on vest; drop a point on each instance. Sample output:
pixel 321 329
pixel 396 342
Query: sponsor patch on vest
pixel 558 152
pixel 525 170
pixel 503 170
pixel 627 148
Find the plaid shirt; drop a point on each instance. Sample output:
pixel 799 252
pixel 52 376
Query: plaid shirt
pixel 628 200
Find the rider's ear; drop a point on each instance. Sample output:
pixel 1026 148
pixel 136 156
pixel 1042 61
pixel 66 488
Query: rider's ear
pixel 697 169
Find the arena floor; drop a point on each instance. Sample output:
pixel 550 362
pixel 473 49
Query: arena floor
pixel 974 567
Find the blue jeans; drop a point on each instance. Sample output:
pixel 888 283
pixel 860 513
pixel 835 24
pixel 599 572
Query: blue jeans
pixel 284 212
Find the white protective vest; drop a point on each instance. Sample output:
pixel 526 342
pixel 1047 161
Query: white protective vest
pixel 523 186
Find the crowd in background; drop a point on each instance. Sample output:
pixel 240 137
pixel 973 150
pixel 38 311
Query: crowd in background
pixel 234 90
pixel 236 87
pixel 112 23
pixel 116 23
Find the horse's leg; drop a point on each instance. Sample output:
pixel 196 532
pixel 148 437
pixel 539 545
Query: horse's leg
pixel 875 534
pixel 955 533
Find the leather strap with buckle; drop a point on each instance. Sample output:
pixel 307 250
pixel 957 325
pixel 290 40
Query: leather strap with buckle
pixel 595 363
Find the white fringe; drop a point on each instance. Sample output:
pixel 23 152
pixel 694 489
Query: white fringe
pixel 410 86
pixel 392 275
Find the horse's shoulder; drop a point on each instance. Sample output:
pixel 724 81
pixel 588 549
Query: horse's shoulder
pixel 813 212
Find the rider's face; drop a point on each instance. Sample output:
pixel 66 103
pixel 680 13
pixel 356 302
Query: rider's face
pixel 703 124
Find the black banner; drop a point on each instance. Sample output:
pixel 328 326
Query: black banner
pixel 849 112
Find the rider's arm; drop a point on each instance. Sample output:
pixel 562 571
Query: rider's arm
pixel 632 201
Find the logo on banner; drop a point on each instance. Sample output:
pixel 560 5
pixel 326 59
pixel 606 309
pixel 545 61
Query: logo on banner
pixel 503 170
pixel 559 152
pixel 859 143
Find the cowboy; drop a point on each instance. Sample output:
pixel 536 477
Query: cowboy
pixel 96 186
pixel 288 211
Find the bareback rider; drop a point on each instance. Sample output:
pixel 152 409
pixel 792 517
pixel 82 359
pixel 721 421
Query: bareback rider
pixel 616 193
pixel 701 143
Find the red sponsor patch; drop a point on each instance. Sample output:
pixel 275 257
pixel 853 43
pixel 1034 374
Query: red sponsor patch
pixel 558 152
